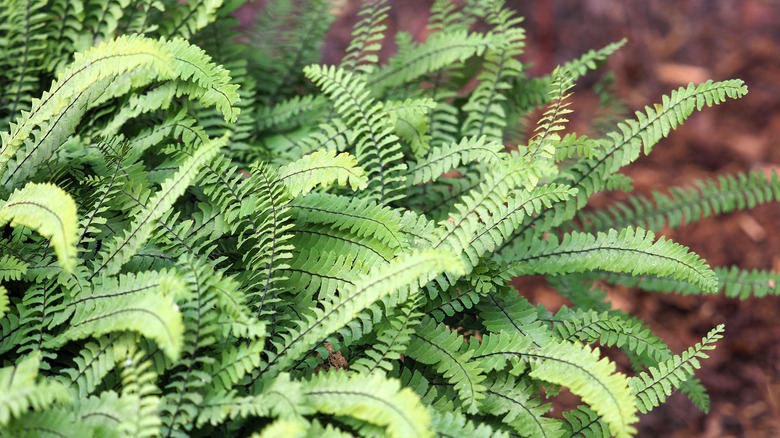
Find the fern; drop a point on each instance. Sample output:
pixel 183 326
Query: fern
pixel 338 394
pixel 213 233
pixel 372 287
pixel 683 206
pixel 366 37
pixel 436 345
pixel 376 149
pixel 48 210
pixel 635 253
pixel 563 363
pixel 321 168
pixel 651 388
pixel 25 390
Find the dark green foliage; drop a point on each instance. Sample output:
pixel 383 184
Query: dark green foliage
pixel 206 233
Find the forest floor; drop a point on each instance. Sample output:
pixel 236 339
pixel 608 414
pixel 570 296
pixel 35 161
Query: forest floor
pixel 669 45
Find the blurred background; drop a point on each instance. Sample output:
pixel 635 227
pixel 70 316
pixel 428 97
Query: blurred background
pixel 670 44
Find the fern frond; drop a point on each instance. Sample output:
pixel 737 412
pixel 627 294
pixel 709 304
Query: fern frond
pixel 286 37
pixel 649 127
pixel 485 109
pixel 24 40
pixel 367 35
pixel 193 374
pixel 683 206
pixel 573 145
pixel 453 424
pixel 440 50
pixel 630 250
pixel 586 423
pixel 651 388
pixel 122 248
pixel 518 408
pixel 506 311
pixel 101 19
pixel 105 72
pixel 322 168
pixel 96 359
pixel 403 276
pixel 66 33
pixel 489 214
pixel 287 112
pixel 138 379
pixel 361 217
pixel 372 398
pixel 733 282
pixel 264 241
pixel 444 349
pixel 393 336
pixel 370 251
pixel 544 142
pixel 410 118
pixel 51 212
pixel 109 60
pixel 186 19
pixel 24 389
pixel 103 413
pixel 589 376
pixel 610 329
pixel 204 80
pixel 377 147
pixel 623 146
pixel 590 61
pixel 280 398
pixel 447 158
pixel 146 306
pixel 12 268
pixel 320 274
pixel 57 421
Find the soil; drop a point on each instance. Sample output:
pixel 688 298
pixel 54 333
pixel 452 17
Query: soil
pixel 669 45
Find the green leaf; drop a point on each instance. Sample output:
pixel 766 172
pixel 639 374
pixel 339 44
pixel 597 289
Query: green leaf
pixel 125 246
pixel 51 212
pixel 589 376
pixel 634 251
pixel 22 389
pixel 652 387
pixel 323 168
pixel 372 398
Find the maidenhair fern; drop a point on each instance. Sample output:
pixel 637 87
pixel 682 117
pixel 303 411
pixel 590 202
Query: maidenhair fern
pixel 210 234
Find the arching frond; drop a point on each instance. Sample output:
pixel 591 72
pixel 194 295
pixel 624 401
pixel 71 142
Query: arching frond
pixel 436 345
pixel 24 389
pixel 372 398
pixel 48 210
pixel 402 276
pixel 323 168
pixel 651 388
pixel 632 251
pixel 439 51
pixel 592 378
pixel 683 206
pixel 448 158
pixel 733 282
pixel 376 146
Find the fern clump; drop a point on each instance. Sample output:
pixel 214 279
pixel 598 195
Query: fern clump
pixel 214 235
